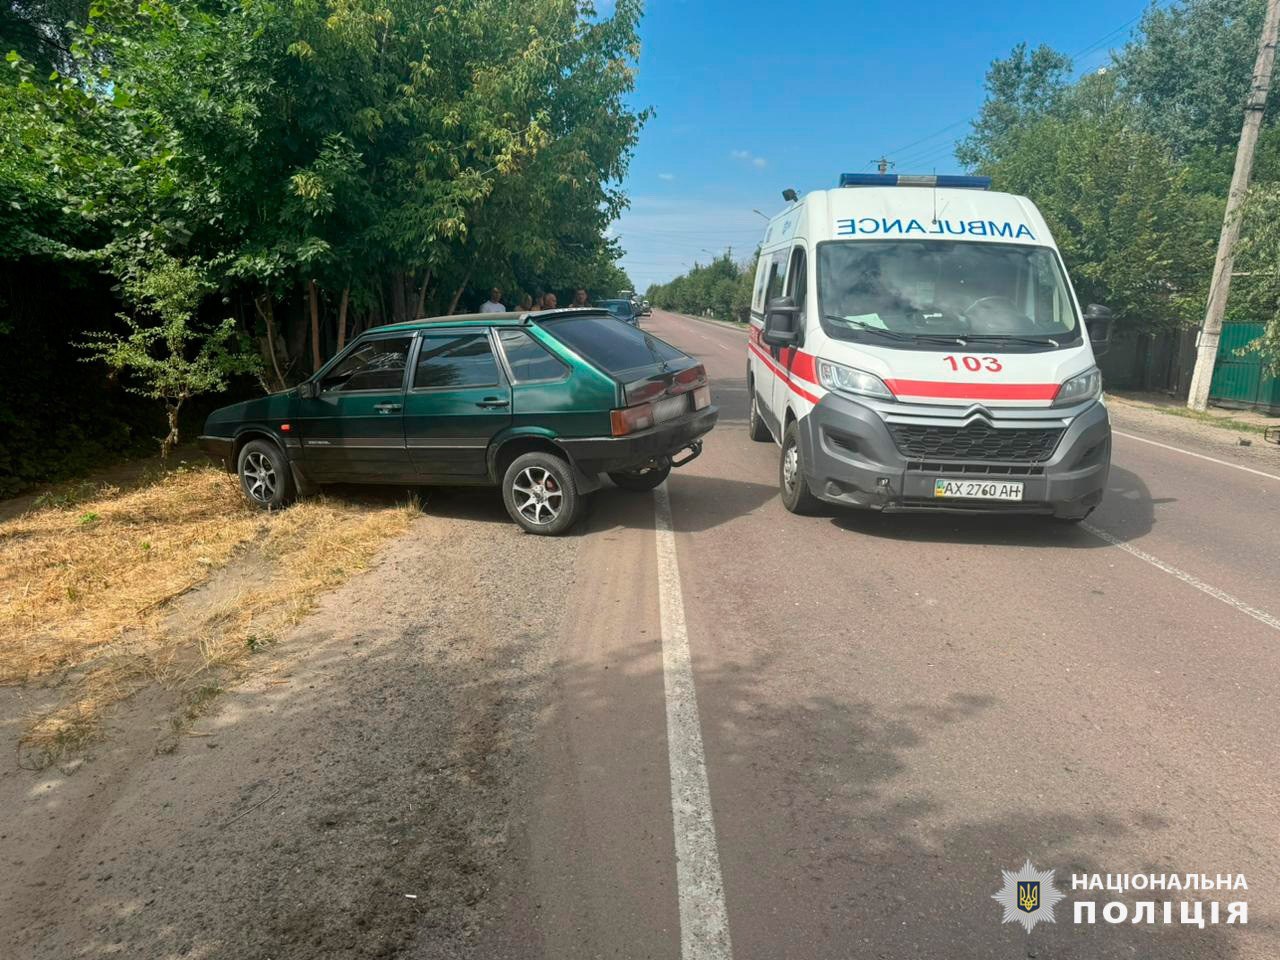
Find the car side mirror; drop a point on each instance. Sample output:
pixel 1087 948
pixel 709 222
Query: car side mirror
pixel 780 326
pixel 308 389
pixel 1099 321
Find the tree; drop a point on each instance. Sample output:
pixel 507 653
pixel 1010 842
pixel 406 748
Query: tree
pixel 1134 233
pixel 165 354
pixel 1257 284
pixel 323 165
pixel 1020 89
pixel 716 288
pixel 1188 68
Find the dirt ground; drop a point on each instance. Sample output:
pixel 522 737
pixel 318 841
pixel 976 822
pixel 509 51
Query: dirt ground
pixel 353 798
pixel 1241 446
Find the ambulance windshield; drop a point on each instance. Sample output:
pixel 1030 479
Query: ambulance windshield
pixel 932 292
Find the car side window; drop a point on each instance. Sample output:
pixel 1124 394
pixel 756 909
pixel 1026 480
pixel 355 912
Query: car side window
pixel 373 365
pixel 528 359
pixel 455 359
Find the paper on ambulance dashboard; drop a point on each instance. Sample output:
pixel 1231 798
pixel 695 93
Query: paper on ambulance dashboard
pixel 867 320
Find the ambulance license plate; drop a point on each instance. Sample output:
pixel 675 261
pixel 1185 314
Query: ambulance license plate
pixel 977 489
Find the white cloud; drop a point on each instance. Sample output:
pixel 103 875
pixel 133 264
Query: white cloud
pixel 746 156
pixel 667 177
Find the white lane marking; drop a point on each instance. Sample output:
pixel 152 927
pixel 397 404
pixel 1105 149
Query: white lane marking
pixel 1198 456
pixel 704 922
pixel 1260 615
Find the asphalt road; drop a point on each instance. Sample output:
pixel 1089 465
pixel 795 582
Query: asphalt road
pixel 701 728
pixel 893 710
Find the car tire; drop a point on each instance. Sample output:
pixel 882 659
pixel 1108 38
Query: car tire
pixel 541 495
pixel 756 428
pixel 641 481
pixel 796 495
pixel 265 477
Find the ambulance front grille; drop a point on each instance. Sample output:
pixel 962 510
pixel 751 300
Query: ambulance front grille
pixel 975 441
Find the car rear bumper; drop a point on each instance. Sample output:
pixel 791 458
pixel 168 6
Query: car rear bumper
pixel 850 458
pixel 594 455
pixel 218 449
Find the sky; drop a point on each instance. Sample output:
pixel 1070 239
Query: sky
pixel 751 98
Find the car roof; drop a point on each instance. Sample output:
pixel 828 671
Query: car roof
pixel 509 319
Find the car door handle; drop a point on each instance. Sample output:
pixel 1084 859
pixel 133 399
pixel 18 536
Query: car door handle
pixel 386 407
pixel 492 402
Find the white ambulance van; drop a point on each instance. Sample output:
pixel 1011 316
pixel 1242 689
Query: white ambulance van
pixel 916 345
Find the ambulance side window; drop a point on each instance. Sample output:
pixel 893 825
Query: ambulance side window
pixel 762 274
pixel 777 273
pixel 798 279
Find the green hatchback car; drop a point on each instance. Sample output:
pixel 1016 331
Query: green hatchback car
pixel 539 404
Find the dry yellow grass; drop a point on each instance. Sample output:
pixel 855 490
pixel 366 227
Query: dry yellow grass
pixel 103 591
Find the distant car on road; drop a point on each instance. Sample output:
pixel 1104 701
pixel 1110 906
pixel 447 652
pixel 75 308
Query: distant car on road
pixel 624 310
pixel 539 404
pixel 645 309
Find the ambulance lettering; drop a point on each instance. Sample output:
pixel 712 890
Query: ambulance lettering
pixel 900 227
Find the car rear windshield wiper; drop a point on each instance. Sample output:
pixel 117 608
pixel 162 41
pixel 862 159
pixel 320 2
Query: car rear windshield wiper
pixel 653 351
pixel 1012 338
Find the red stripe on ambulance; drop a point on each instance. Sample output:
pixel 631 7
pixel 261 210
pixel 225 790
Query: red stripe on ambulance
pixel 972 391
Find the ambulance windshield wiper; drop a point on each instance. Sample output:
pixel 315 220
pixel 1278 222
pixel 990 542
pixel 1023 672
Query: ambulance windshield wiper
pixel 893 334
pixel 1012 338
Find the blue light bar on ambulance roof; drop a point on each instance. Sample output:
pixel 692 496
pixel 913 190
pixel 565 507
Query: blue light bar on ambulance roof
pixel 914 180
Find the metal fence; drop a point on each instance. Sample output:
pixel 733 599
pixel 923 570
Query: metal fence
pixel 1240 378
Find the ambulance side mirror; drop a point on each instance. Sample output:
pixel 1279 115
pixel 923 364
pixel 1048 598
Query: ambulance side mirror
pixel 1099 322
pixel 780 323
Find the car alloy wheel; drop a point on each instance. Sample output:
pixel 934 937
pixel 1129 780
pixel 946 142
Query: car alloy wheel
pixel 260 477
pixel 538 495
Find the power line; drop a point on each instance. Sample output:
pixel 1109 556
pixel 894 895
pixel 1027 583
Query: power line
pixel 951 126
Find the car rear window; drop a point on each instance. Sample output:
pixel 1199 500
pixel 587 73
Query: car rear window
pixel 615 347
pixel 529 360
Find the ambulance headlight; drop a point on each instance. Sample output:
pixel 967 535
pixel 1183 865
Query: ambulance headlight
pixel 1084 386
pixel 848 380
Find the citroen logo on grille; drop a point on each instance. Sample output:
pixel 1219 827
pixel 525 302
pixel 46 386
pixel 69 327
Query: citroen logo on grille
pixel 977 410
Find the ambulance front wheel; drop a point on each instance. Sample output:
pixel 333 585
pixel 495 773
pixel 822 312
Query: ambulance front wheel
pixel 796 495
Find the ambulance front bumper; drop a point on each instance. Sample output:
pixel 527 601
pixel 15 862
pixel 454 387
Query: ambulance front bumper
pixel 851 457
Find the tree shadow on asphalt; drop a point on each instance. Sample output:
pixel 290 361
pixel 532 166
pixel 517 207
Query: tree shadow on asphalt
pixel 1132 522
pixel 826 854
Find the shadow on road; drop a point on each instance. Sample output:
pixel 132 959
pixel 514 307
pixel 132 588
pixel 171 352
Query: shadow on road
pixel 1127 512
pixel 834 843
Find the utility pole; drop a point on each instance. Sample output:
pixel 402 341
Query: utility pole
pixel 883 164
pixel 1211 332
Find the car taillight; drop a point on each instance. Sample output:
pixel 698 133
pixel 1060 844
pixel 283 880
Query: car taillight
pixel 702 397
pixel 693 375
pixel 630 419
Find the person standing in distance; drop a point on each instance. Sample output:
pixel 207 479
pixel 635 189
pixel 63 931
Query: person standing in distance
pixel 494 303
